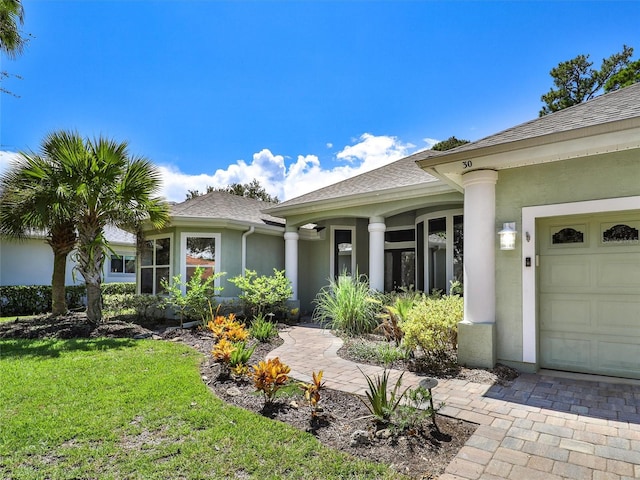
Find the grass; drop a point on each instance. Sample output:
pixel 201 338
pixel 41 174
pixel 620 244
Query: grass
pixel 138 409
pixel 14 317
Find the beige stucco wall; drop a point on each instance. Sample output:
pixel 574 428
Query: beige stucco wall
pixel 599 177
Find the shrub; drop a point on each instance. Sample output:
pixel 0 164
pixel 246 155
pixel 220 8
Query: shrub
pixel 118 288
pixel 269 376
pixel 262 329
pixel 348 304
pixel 312 391
pixel 228 328
pixel 381 402
pixel 263 294
pixel 195 303
pixel 377 353
pixel 36 299
pixel 432 324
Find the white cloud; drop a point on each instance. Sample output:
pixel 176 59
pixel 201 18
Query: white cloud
pixel 296 178
pixel 430 142
pixel 6 159
pixel 279 175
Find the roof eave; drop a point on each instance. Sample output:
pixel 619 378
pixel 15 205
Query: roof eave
pixel 433 187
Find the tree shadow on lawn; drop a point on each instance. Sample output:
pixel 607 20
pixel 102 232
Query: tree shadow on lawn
pixel 53 348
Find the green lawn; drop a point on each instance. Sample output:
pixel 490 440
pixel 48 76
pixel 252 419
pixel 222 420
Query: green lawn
pixel 138 409
pixel 13 317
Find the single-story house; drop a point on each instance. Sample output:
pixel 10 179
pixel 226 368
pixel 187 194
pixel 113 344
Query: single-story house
pixel 565 294
pixel 30 261
pixel 219 232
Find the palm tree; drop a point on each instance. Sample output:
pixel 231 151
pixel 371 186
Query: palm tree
pixel 31 202
pixel 109 187
pixel 11 15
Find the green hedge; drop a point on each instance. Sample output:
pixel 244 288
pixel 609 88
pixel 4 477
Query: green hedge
pixel 36 299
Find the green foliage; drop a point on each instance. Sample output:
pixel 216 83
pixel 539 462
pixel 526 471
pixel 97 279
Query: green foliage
pixel 576 82
pixel 419 406
pixel 394 315
pixel 448 144
pixel 377 353
pixel 262 329
pixel 195 304
pixel 239 358
pixel 348 304
pixel 118 288
pixel 624 78
pixel 146 308
pixel 432 324
pixel 142 413
pixel 36 299
pixel 381 402
pixel 248 190
pixel 265 293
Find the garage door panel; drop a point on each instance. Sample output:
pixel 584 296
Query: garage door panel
pixel 564 312
pixel 564 273
pixel 619 316
pixel 616 357
pixel 558 351
pixel 618 271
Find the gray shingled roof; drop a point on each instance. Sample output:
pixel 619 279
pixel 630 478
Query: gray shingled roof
pixel 117 235
pixel 401 173
pixel 622 104
pixel 226 206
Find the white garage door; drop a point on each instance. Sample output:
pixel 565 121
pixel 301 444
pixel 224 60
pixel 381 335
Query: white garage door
pixel 589 293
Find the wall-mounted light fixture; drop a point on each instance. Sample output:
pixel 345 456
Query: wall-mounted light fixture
pixel 508 236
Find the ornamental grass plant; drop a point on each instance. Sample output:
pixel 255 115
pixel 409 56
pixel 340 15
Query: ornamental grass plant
pixel 348 305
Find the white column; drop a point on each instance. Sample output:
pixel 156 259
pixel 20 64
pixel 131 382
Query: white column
pixel 376 253
pixel 291 261
pixel 479 246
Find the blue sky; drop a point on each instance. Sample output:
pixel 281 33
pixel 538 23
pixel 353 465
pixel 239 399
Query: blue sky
pixel 298 94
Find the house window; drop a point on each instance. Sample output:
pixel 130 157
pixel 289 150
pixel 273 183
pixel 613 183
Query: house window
pixel 343 255
pixel 439 250
pixel 199 250
pixel 123 264
pixel 155 265
pixel 399 259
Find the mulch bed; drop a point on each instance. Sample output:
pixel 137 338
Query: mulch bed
pixel 423 452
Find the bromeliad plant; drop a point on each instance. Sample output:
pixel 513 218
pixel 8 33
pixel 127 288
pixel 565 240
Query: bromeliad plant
pixel 269 376
pixel 312 391
pixel 239 358
pixel 262 329
pixel 381 402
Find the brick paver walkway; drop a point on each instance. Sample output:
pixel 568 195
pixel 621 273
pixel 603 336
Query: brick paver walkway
pixel 540 427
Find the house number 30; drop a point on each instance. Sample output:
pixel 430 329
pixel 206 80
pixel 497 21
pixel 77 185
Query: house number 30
pixel 467 164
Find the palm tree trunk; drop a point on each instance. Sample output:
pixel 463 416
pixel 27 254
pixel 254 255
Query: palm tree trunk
pixel 58 297
pixel 91 247
pixel 62 239
pixel 94 303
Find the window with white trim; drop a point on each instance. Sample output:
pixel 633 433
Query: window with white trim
pixel 343 254
pixel 122 264
pixel 155 265
pixel 199 250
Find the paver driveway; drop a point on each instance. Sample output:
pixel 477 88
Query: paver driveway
pixel 540 427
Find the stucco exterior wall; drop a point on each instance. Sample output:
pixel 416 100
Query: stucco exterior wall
pixel 30 262
pixel 264 253
pixel 599 177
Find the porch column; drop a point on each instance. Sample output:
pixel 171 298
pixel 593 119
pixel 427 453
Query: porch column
pixel 291 260
pixel 476 333
pixel 376 253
